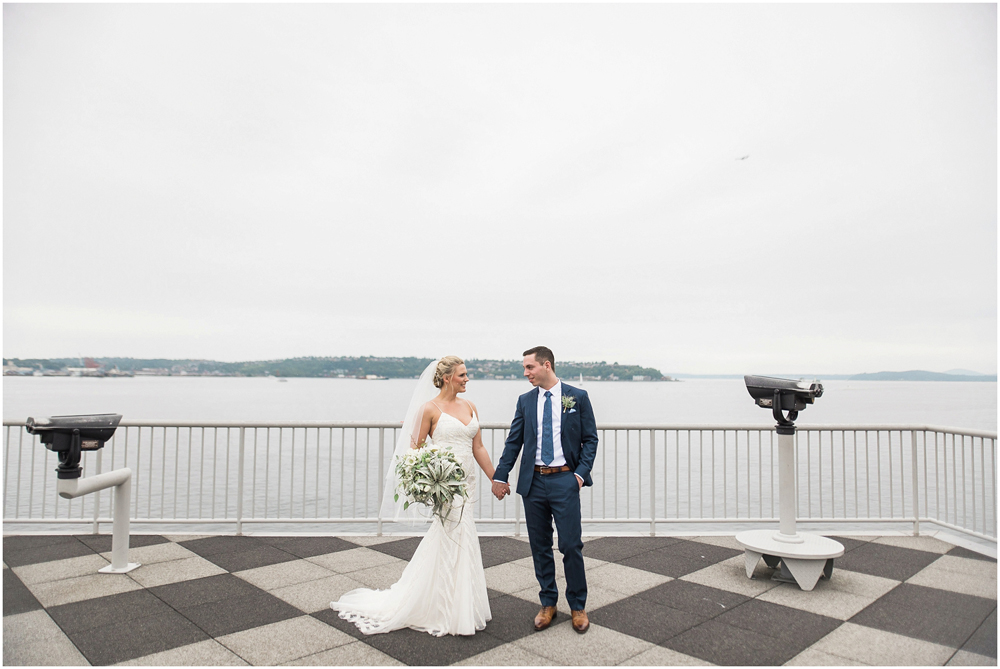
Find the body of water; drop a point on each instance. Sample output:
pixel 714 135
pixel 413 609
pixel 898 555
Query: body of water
pixel 694 401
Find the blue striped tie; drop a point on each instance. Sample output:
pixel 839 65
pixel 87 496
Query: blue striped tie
pixel 547 454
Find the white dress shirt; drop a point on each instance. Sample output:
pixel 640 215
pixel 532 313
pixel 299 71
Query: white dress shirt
pixel 558 459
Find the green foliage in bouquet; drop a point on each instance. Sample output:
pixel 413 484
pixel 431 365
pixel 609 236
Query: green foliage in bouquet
pixel 432 477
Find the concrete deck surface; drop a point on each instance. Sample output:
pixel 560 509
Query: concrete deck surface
pixel 226 600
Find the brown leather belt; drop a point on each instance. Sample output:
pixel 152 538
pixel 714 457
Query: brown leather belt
pixel 552 470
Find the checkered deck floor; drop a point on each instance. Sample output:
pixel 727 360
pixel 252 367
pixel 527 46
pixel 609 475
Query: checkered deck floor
pixel 652 601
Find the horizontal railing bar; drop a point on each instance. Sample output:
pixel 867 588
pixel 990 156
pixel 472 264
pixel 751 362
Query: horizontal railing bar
pixel 601 426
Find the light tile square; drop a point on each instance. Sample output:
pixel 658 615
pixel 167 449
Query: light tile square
pixel 355 559
pixel 658 656
pixel 155 553
pixel 596 597
pixel 510 577
pixel 174 571
pixel 313 596
pixel 372 540
pixel 54 593
pixel 58 570
pixel 381 577
pixel 34 639
pixel 811 657
pixel 624 580
pixel 283 574
pixel 208 653
pixel 957 574
pixel 284 641
pixel 600 646
pixel 840 597
pixel 922 543
pixel 872 646
pixel 726 541
pixel 731 575
pixel 507 655
pixel 356 654
pixel 964 658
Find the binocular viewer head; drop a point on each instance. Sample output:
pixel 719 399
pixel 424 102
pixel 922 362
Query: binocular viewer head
pixel 783 395
pixel 70 435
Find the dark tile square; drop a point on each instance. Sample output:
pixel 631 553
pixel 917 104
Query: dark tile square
pixel 513 618
pixel 306 547
pixel 143 636
pixel 250 558
pixel 101 543
pixel 499 550
pixel 212 545
pixel 16 596
pixel 958 551
pixel 794 628
pixel 187 594
pixel 886 561
pixel 226 616
pixel 333 619
pixel 939 616
pixel 25 542
pixel 984 640
pixel 850 544
pixel 680 558
pixel 644 619
pixel 494 594
pixel 699 600
pixel 35 553
pixel 403 549
pixel 730 646
pixel 616 549
pixel 119 609
pixel 702 551
pixel 421 649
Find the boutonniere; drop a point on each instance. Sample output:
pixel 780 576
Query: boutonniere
pixel 568 403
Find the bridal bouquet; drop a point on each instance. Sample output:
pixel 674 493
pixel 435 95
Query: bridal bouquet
pixel 432 477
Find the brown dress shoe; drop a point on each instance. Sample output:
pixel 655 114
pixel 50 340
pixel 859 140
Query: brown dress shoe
pixel 545 618
pixel 581 623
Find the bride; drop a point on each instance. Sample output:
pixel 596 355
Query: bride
pixel 443 588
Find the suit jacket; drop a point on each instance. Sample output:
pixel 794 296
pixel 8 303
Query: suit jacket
pixel 578 437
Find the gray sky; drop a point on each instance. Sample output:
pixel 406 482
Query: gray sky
pixel 243 182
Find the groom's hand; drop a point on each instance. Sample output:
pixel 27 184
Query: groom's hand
pixel 501 489
pixel 579 481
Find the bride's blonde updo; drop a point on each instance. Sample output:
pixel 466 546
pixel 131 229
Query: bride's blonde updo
pixel 445 367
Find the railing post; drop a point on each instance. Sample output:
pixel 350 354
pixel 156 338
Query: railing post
pixel 652 483
pixel 916 493
pixel 97 497
pixel 381 479
pixel 239 485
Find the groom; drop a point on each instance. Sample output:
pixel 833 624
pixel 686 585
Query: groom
pixel 555 425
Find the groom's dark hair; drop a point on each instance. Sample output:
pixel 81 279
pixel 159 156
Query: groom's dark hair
pixel 542 353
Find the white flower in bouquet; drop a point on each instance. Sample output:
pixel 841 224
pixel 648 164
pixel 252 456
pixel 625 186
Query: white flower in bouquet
pixel 432 477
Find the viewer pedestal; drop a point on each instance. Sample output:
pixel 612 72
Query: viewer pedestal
pixel 805 560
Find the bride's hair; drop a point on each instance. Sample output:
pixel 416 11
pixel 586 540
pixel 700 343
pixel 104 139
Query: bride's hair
pixel 445 367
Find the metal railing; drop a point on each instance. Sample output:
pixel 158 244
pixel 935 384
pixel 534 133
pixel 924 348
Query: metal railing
pixel 647 477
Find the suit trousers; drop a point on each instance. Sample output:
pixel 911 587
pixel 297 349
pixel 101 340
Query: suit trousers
pixel 556 497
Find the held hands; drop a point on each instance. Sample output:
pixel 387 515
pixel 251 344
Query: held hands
pixel 501 489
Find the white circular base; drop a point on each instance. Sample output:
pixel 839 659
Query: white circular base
pixel 111 570
pixel 812 546
pixel 805 560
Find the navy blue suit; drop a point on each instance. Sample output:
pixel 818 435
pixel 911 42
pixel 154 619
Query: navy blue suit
pixel 553 496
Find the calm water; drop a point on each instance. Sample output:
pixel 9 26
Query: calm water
pixel 702 401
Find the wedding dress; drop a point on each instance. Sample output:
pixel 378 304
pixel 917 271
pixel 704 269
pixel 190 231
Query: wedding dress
pixel 443 588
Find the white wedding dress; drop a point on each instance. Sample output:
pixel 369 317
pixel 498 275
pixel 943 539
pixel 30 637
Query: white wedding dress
pixel 443 588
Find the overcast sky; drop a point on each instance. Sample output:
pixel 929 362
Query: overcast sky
pixel 245 182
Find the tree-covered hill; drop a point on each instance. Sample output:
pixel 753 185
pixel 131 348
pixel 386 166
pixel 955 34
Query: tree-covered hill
pixel 392 368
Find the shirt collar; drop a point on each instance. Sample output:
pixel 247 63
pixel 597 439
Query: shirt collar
pixel 556 390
